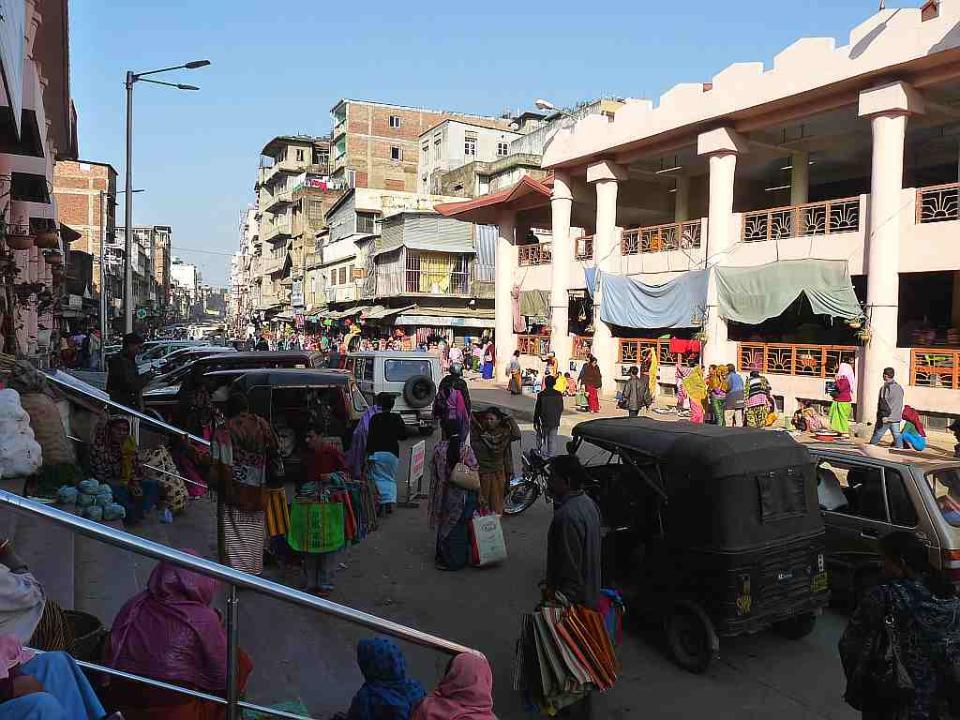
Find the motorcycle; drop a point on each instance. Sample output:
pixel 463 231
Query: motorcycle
pixel 532 483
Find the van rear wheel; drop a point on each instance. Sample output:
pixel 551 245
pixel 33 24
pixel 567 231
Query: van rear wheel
pixel 690 639
pixel 419 391
pixel 797 627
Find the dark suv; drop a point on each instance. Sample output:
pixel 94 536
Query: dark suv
pixel 166 395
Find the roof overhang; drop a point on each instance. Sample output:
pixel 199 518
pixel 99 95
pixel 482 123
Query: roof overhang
pixel 487 209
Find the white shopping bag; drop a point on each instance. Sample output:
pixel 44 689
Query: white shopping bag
pixel 486 540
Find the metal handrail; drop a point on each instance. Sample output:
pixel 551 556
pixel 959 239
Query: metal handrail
pixel 166 427
pixel 236 581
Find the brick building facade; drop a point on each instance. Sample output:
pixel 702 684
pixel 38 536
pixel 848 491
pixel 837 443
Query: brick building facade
pixel 376 145
pixel 77 187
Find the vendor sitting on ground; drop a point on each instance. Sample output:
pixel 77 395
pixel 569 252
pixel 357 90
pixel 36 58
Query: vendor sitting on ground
pixel 114 460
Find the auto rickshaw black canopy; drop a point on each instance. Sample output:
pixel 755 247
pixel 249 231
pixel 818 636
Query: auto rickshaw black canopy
pixel 726 488
pixel 291 377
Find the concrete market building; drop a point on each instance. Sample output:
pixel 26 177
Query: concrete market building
pixel 833 156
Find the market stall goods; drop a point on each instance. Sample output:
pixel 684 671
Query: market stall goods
pixel 20 453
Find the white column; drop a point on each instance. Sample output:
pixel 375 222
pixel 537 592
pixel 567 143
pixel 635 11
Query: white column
pixel 722 147
pixel 606 254
pixel 505 340
pixel 800 177
pixel 887 107
pixel 681 206
pixel 561 206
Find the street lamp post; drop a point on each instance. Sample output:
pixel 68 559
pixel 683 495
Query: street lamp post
pixel 131 79
pixel 104 221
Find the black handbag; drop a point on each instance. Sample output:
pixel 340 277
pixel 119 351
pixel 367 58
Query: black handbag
pixel 881 678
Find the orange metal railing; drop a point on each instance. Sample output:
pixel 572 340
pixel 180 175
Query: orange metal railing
pixel 533 344
pixel 935 368
pixel 819 361
pixel 631 351
pixel 822 218
pixel 660 238
pixel 536 254
pixel 583 247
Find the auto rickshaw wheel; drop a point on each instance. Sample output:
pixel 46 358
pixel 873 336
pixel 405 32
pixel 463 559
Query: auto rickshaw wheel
pixel 691 639
pixel 797 627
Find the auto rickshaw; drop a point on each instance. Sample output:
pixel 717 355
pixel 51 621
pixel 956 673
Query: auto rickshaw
pixel 295 400
pixel 713 531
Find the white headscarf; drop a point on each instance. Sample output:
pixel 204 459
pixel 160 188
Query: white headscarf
pixel 846 370
pixel 21 604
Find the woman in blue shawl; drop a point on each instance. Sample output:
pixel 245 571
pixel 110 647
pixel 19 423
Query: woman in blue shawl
pixel 387 694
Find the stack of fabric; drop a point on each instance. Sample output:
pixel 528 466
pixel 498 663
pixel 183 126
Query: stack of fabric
pixel 563 654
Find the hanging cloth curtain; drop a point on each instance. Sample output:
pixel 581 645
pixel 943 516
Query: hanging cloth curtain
pixel 752 295
pixel 535 304
pixel 680 303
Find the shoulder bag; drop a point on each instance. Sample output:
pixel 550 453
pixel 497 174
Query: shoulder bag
pixel 465 477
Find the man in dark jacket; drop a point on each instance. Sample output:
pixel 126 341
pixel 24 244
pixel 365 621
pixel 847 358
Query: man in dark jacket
pixel 124 383
pixel 546 416
pixel 573 548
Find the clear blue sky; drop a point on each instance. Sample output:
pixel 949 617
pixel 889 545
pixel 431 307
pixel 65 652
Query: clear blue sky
pixel 279 66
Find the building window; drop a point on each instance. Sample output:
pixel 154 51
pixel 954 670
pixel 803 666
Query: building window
pixel 396 152
pixel 315 210
pixel 426 150
pixel 436 149
pixel 470 144
pixel 394 121
pixel 483 184
pixel 366 223
pixel 300 155
pixel 343 276
pixel 502 149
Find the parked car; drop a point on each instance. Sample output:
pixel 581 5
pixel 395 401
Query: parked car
pixel 151 356
pixel 713 531
pixel 866 492
pixel 412 377
pixel 184 356
pixel 297 400
pixel 166 396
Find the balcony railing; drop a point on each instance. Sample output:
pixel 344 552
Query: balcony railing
pixel 818 361
pixel 582 347
pixel 536 254
pixel 583 247
pixel 935 368
pixel 822 218
pixel 631 351
pixel 430 282
pixel 938 203
pixel 660 238
pixel 533 344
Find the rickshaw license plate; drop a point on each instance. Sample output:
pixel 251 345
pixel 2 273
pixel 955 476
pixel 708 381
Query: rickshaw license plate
pixel 819 583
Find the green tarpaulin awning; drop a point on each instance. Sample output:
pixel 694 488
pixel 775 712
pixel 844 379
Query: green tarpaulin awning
pixel 535 303
pixel 752 295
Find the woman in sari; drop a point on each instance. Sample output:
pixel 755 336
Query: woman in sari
pixel 171 632
pixel 489 357
pixel 492 435
pixel 387 692
pixel 651 366
pixel 841 409
pixel 357 454
pixel 114 460
pixel 465 692
pixel 514 373
pixel 243 451
pixel 696 389
pixel 451 506
pixel 200 418
pixel 759 400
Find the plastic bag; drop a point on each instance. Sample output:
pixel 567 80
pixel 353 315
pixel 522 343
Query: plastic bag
pixel 487 545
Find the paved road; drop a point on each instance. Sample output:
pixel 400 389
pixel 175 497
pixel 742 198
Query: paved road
pixel 391 574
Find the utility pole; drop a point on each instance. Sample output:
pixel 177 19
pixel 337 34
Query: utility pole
pixel 104 217
pixel 128 216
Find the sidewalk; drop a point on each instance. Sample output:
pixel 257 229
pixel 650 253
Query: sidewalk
pixel 487 392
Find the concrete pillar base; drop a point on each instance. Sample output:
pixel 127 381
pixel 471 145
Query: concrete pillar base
pixel 880 352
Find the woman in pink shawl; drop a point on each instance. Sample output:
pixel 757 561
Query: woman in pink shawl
pixel 464 693
pixel 171 632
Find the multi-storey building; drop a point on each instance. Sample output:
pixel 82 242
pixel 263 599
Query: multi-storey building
pixel 487 167
pixel 785 217
pixel 294 190
pixel 151 269
pixel 376 145
pixel 40 128
pixel 451 144
pixel 244 265
pixel 185 281
pixel 389 259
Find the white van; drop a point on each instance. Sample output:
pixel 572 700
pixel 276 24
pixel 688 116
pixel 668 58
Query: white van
pixel 411 377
